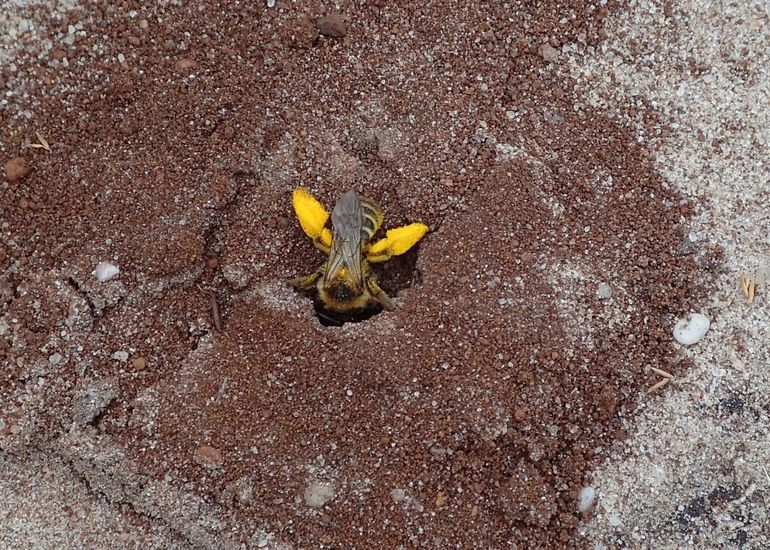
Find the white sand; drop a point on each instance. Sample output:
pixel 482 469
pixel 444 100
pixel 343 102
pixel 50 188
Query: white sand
pixel 694 474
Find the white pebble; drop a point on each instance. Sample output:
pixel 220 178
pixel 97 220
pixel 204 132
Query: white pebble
pixel 691 329
pixel 604 290
pixel 586 499
pixel 55 359
pixel 318 493
pixel 719 372
pixel 105 271
pixel 121 58
pixel 614 520
pixel 121 356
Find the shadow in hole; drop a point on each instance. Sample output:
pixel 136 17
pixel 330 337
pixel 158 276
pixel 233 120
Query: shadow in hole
pixel 332 319
pixel 399 273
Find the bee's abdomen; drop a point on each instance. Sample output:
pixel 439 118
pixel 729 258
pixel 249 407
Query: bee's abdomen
pixel 371 219
pixel 343 298
pixel 341 292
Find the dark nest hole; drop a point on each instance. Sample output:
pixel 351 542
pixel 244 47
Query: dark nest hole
pixel 333 319
pixel 392 276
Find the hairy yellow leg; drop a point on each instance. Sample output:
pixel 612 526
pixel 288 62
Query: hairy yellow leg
pixel 306 282
pixel 379 294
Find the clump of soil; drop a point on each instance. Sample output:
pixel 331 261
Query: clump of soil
pixel 470 415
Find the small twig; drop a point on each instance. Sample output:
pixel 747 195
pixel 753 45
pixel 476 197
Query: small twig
pixel 662 373
pixel 216 312
pixel 657 386
pixel 216 308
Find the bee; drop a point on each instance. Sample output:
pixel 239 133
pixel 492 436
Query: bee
pixel 346 283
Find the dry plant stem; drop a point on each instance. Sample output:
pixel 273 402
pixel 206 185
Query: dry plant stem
pixel 658 385
pixel 661 372
pixel 42 143
pixel 748 285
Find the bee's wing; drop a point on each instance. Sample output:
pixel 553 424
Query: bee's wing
pixel 347 240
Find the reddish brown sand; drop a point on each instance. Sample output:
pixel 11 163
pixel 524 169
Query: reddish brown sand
pixel 469 416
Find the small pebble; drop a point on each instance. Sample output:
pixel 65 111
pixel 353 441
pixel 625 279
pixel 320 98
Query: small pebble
pixel 549 53
pixel 121 356
pixel 437 452
pixel 16 168
pixel 604 290
pixel 93 401
pixel 586 499
pixel 186 64
pixel 332 25
pixel 691 329
pixel 105 271
pixel 318 493
pixel 209 457
pixel 55 359
pixel 139 363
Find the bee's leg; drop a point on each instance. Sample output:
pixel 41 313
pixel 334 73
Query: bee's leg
pixel 321 245
pixel 379 258
pixel 307 282
pixel 379 294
